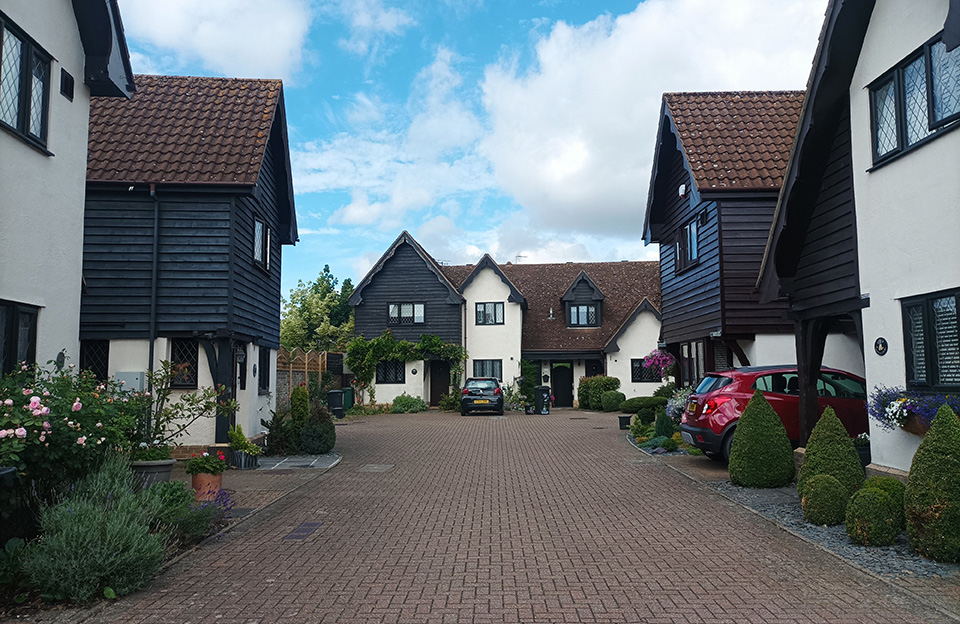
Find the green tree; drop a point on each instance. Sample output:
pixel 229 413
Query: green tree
pixel 317 316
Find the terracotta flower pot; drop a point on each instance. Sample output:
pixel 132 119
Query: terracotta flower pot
pixel 207 486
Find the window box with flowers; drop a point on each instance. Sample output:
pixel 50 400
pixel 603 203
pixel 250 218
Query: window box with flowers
pixel 911 411
pixel 207 472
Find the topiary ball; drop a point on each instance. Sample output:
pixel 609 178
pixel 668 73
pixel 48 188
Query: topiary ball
pixel 932 496
pixel 669 445
pixel 830 451
pixel 824 500
pixel 873 518
pixel 761 455
pixel 611 399
pixel 894 488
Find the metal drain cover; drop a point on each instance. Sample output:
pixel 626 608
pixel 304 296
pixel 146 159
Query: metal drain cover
pixel 377 467
pixel 303 531
pixel 579 418
pixel 498 418
pixel 599 427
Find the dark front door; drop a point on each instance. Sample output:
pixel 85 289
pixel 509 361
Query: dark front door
pixel 439 380
pixel 562 376
pixel 593 368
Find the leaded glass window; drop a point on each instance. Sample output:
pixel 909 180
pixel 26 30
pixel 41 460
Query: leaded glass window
pixel 38 95
pixel 584 315
pixel 947 340
pixel 932 342
pixel 488 368
pixel 405 313
pixel 18 335
pixel 391 372
pixel 918 368
pixel 184 354
pixel 24 82
pixel 885 119
pixel 490 313
pixel 915 85
pixel 946 81
pixel 10 63
pixel 95 357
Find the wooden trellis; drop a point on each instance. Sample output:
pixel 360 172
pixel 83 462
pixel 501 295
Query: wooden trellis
pixel 294 368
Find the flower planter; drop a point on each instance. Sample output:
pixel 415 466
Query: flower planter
pixel 245 461
pixel 206 486
pixel 625 420
pixel 8 476
pixel 149 472
pixel 864 452
pixel 914 425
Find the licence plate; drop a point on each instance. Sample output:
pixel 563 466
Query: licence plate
pixel 481 401
pixel 692 407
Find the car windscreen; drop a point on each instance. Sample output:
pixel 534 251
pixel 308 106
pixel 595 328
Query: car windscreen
pixel 481 384
pixel 711 383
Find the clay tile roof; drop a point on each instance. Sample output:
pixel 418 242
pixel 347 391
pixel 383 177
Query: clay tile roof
pixel 183 129
pixel 736 139
pixel 624 285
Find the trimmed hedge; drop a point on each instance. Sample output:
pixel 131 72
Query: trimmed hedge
pixel 831 451
pixel 634 405
pixel 824 500
pixel 894 488
pixel 761 455
pixel 873 518
pixel 591 389
pixel 666 390
pixel 611 400
pixel 932 496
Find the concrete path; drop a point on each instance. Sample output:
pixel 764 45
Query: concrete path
pixel 442 518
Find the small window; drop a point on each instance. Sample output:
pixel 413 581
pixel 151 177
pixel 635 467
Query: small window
pixel 932 342
pixel 640 373
pixel 184 355
pixel 688 245
pixel 488 368
pixel 391 372
pixel 24 82
pixel 18 335
pixel 263 369
pixel 95 357
pixel 261 244
pixel 405 313
pixel 583 315
pixel 915 99
pixel 490 313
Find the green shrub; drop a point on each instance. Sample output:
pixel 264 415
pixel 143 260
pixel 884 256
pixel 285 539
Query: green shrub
pixel 873 518
pixel 694 451
pixel 647 415
pixel 664 426
pixel 831 451
pixel 98 537
pixel 761 455
pixel 583 394
pixel 406 404
pixel 450 402
pixel 666 390
pixel 654 442
pixel 634 405
pixel 319 435
pixel 611 400
pixel 280 438
pixel 824 500
pixel 932 496
pixel 893 488
pixel 171 511
pixel 640 428
pixel 669 445
pixel 11 563
pixel 299 408
pixel 591 389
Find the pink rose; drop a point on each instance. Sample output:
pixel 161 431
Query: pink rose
pixel 35 402
pixel 3 433
pixel 37 412
pixel 27 392
pixel 46 393
pixel 46 425
pixel 8 402
pixel 21 432
pixel 44 410
pixel 42 437
pixel 82 440
pixel 77 405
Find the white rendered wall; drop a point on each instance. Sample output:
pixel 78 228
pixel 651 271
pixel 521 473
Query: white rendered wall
pixel 908 211
pixel 413 385
pixel 493 342
pixel 840 351
pixel 638 340
pixel 253 405
pixel 41 196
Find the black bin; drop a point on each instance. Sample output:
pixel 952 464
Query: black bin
pixel 335 402
pixel 542 399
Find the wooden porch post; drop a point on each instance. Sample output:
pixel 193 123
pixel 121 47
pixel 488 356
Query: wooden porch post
pixel 811 336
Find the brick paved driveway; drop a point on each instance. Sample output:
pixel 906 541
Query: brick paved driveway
pixel 527 519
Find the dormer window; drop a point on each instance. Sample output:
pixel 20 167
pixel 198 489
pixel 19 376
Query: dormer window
pixel 583 315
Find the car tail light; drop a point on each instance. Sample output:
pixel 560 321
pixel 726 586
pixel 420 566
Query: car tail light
pixel 496 391
pixel 713 404
pixel 465 392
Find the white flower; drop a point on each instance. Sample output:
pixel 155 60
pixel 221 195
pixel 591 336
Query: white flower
pixel 143 445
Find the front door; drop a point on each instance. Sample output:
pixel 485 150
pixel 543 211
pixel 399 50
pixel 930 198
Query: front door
pixel 562 375
pixel 439 380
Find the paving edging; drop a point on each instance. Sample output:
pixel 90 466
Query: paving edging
pixel 889 582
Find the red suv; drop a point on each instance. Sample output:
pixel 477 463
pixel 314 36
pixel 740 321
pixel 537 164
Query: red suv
pixel 718 401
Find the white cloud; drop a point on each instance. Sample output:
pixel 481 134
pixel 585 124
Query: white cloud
pixel 243 38
pixel 572 137
pixel 365 110
pixel 370 25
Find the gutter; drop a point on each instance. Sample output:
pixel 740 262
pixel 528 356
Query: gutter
pixel 154 271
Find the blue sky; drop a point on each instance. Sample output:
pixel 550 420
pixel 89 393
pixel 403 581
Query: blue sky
pixel 481 126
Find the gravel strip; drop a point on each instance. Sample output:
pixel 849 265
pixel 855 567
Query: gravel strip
pixel 782 505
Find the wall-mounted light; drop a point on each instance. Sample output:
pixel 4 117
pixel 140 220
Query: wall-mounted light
pixel 546 378
pixel 682 190
pixel 551 318
pixel 241 356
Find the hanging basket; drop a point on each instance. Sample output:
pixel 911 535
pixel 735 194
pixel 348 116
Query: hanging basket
pixel 914 425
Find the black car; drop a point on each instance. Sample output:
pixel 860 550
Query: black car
pixel 481 393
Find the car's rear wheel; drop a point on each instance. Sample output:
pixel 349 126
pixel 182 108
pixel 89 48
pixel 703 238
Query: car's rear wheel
pixel 500 411
pixel 463 412
pixel 714 456
pixel 727 445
